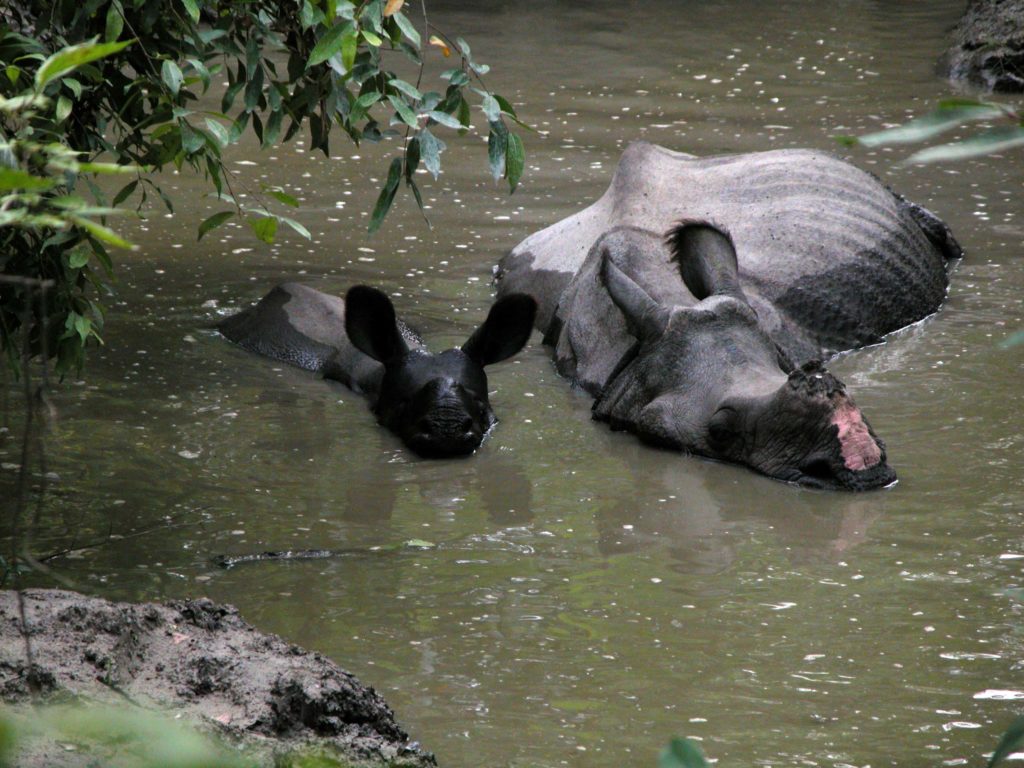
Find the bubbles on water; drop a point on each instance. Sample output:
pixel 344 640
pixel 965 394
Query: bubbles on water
pixel 995 694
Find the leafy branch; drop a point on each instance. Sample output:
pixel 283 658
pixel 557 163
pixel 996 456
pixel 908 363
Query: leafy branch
pixel 949 114
pixel 120 80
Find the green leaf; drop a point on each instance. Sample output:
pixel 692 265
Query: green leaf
pixel 125 192
pixel 407 29
pixel 202 71
pixel 497 145
pixel 67 59
pixel 101 233
pixel 456 77
pixel 506 107
pixel 192 9
pixel 515 161
pixel 306 15
pixel 192 140
pixel 15 179
pixel 682 753
pixel 296 226
pixel 115 22
pixel 78 258
pixel 419 544
pixel 273 129
pixel 409 90
pixel 371 38
pixel 254 89
pixel 170 73
pixel 213 222
pixel 959 101
pixel 387 195
pixel 238 127
pixel 445 119
pixel 363 104
pixel 230 94
pixel 419 198
pixel 209 35
pixel 82 326
pixel 13 73
pixel 328 45
pixel 63 108
pixel 410 52
pixel 345 9
pixel 431 148
pixel 986 143
pixel 252 52
pixel 283 197
pixel 407 115
pixel 1011 741
pixel 348 49
pixel 107 169
pixel 220 133
pixel 932 124
pixel 104 258
pixel 1013 340
pixel 264 228
pixel 464 114
pixel 25 101
pixel 491 108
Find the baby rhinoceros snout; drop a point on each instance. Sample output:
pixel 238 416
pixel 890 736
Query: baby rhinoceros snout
pixel 449 421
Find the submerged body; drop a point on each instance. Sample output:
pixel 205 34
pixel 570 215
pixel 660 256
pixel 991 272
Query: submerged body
pixel 696 297
pixel 437 403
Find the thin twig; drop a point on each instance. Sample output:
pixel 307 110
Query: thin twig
pixel 166 524
pixel 19 507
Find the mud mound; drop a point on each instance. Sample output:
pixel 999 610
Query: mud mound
pixel 201 659
pixel 988 49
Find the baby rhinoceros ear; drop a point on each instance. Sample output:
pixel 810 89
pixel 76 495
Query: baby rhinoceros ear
pixel 507 328
pixel 371 325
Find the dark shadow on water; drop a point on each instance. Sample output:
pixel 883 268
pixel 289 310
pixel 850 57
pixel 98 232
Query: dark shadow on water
pixel 705 513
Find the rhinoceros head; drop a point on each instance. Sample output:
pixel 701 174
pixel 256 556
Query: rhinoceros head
pixel 708 379
pixel 437 403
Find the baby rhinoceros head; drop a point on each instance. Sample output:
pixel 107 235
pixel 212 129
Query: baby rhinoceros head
pixel 436 403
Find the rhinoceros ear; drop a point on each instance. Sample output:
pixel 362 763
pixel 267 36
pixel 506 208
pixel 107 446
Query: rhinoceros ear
pixel 371 324
pixel 507 328
pixel 707 260
pixel 646 318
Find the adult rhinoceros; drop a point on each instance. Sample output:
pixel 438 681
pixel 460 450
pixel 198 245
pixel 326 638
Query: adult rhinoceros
pixel 695 298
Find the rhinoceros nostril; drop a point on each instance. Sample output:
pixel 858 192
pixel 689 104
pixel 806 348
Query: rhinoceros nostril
pixel 819 469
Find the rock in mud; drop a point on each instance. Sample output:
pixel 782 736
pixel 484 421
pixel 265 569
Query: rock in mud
pixel 200 659
pixel 988 48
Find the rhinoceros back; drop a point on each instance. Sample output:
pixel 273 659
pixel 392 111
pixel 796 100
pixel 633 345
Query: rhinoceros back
pixel 839 257
pixel 305 327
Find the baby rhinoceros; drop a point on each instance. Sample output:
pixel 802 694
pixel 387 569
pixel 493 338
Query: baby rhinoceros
pixel 436 403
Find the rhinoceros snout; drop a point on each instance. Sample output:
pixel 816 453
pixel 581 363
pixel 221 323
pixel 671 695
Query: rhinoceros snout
pixel 831 474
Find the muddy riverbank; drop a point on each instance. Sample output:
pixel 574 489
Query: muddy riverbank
pixel 199 659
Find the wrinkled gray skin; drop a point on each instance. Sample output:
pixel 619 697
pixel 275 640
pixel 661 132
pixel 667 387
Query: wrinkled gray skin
pixel 437 403
pixel 696 297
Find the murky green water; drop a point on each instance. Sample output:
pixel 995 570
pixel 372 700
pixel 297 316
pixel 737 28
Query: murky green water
pixel 589 597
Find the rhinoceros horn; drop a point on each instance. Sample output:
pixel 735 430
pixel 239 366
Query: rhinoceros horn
pixel 646 318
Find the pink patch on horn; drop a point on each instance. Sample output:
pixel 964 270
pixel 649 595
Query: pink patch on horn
pixel 858 447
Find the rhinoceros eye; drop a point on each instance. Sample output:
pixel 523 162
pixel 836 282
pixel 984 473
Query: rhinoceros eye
pixel 723 429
